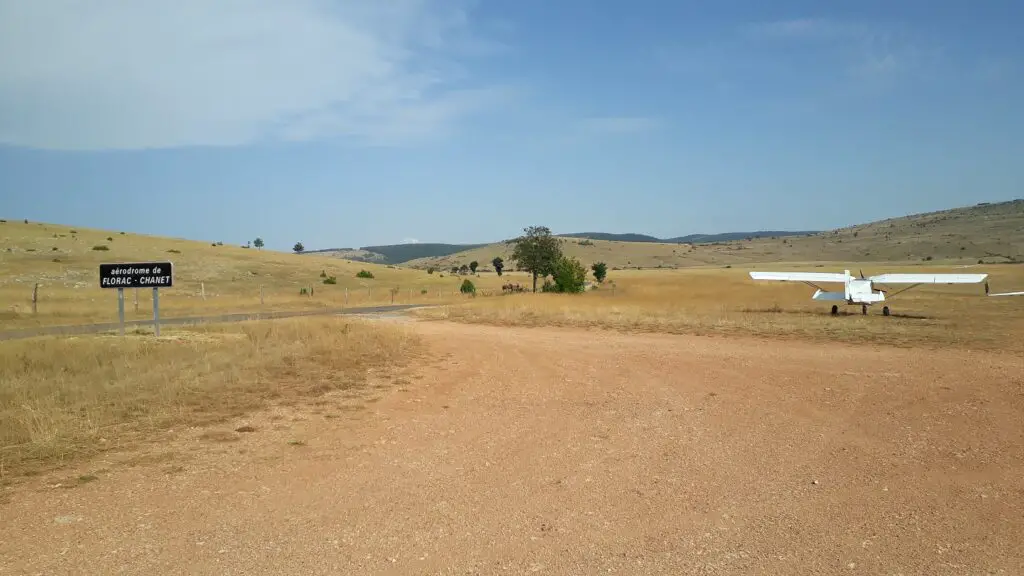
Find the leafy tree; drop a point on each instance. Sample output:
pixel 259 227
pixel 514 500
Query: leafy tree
pixel 430 270
pixel 600 270
pixel 463 269
pixel 467 287
pixel 569 275
pixel 298 248
pixel 473 266
pixel 498 264
pixel 455 269
pixel 258 243
pixel 536 252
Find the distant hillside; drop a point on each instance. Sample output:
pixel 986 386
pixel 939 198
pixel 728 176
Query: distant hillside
pixel 614 237
pixel 398 253
pixel 394 253
pixel 728 236
pixel 691 239
pixel 987 232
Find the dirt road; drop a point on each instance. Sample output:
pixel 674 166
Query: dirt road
pixel 548 451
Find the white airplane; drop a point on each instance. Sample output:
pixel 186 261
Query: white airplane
pixel 862 290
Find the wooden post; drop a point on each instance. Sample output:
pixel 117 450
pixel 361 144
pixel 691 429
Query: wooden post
pixel 346 296
pixel 35 297
pixel 136 296
pixel 261 294
pixel 202 289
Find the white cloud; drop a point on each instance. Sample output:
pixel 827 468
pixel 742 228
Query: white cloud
pixel 410 241
pixel 619 124
pixel 131 74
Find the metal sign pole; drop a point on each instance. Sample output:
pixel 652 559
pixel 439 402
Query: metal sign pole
pixel 156 311
pixel 120 308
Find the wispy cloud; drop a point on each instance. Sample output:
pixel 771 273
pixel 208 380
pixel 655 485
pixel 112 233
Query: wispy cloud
pixel 619 124
pixel 410 241
pixel 130 74
pixel 811 47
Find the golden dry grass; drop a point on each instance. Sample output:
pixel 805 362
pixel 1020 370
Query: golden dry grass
pixel 994 233
pixel 62 260
pixel 65 398
pixel 727 301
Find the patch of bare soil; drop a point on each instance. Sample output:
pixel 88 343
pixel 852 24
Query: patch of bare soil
pixel 564 451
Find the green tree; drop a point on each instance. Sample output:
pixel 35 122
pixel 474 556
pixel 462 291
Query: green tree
pixel 298 248
pixel 569 275
pixel 498 264
pixel 463 269
pixel 600 270
pixel 473 266
pixel 258 243
pixel 536 252
pixel 467 287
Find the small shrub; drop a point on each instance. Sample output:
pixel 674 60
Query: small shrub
pixel 30 249
pixel 423 291
pixel 323 273
pixel 74 231
pixel 100 248
pixel 364 274
pixel 109 239
pixel 303 291
pixel 173 251
pixel 927 258
pixel 430 270
pixel 121 233
pixel 56 260
pixel 54 249
pixel 330 280
pixel 467 287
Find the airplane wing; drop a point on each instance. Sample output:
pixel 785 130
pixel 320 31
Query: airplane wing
pixel 1008 294
pixel 928 278
pixel 799 276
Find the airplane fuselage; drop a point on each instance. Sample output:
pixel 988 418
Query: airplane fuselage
pixel 855 291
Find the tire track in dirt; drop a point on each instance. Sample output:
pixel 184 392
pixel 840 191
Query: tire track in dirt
pixel 565 451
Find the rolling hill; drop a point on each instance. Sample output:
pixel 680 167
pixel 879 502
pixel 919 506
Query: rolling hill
pixel 690 239
pixel 987 232
pixel 394 253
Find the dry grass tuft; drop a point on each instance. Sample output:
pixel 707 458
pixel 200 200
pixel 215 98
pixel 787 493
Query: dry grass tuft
pixel 719 301
pixel 63 398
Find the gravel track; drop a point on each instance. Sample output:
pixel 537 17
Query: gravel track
pixel 566 451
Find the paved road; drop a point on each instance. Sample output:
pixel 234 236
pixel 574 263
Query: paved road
pixel 239 317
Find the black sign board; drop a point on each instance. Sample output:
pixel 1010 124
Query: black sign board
pixel 137 275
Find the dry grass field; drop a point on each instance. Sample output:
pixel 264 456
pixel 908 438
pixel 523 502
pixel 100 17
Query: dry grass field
pixel 992 233
pixel 727 301
pixel 62 260
pixel 62 399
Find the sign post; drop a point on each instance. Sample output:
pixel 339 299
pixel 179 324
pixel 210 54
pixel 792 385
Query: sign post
pixel 156 311
pixel 120 308
pixel 136 275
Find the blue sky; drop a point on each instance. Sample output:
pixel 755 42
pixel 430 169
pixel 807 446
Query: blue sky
pixel 348 123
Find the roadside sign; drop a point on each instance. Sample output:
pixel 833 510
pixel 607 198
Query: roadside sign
pixel 153 275
pixel 137 275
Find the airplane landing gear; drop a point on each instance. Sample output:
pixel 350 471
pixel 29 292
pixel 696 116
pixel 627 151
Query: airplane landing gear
pixel 885 310
pixel 835 309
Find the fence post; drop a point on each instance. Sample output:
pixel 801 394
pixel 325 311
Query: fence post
pixel 261 294
pixel 35 297
pixel 346 296
pixel 135 295
pixel 202 289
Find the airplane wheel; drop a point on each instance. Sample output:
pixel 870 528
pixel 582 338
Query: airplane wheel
pixel 835 310
pixel 885 310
